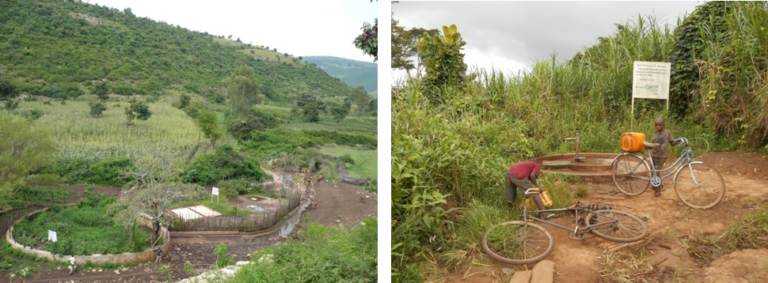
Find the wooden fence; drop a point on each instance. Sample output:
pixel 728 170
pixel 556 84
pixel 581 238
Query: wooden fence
pixel 254 221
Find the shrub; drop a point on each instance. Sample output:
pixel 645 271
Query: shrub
pixel 108 171
pixel 255 121
pixel 226 163
pixel 221 256
pixel 331 254
pixel 347 159
pixel 233 188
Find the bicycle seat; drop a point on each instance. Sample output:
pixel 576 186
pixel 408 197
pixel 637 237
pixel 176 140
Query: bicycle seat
pixel 650 144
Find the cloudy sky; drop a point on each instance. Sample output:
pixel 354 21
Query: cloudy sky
pixel 300 28
pixel 509 36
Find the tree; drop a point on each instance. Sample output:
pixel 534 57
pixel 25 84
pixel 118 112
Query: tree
pixel 137 110
pixel 154 190
pixel 404 46
pixel 101 90
pixel 361 99
pixel 368 41
pixel 24 148
pixel 444 62
pixel 184 101
pixel 97 108
pixel 7 89
pixel 255 121
pixel 309 108
pixel 209 125
pixel 339 112
pixel 243 91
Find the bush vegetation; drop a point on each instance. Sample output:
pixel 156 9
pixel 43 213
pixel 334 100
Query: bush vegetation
pixel 323 254
pixel 108 171
pixel 287 140
pixel 225 163
pixel 83 229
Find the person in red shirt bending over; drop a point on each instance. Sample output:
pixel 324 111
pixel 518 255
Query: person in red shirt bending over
pixel 523 175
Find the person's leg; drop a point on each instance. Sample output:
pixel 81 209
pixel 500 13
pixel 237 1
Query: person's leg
pixel 659 164
pixel 510 189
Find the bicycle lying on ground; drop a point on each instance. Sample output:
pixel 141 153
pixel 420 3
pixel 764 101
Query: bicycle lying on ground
pixel 523 242
pixel 697 185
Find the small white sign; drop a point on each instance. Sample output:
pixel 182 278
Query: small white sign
pixel 651 80
pixel 215 191
pixel 52 236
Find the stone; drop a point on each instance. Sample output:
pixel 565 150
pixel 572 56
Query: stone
pixel 521 277
pixel 507 271
pixel 543 272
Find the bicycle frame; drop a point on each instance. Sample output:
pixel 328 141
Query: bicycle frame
pixel 685 159
pixel 576 209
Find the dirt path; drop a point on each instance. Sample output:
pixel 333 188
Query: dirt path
pixel 339 201
pixel 746 178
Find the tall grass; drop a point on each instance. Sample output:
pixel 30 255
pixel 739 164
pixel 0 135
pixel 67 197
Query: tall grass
pixel 733 92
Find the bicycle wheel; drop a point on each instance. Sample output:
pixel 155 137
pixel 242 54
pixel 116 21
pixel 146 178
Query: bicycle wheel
pixel 617 226
pixel 517 242
pixel 699 185
pixel 631 174
pixel 699 145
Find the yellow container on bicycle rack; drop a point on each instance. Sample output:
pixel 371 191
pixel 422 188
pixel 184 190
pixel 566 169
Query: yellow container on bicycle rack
pixel 632 142
pixel 546 199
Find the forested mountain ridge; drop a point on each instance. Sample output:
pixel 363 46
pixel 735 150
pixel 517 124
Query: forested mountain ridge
pixel 352 72
pixel 60 48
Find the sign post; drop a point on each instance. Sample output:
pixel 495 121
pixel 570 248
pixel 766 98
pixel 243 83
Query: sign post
pixel 215 191
pixel 650 80
pixel 52 236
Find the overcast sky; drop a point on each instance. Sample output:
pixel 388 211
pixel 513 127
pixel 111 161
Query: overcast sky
pixel 300 28
pixel 510 36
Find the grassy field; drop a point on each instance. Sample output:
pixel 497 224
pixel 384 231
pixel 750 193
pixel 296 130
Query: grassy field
pixel 366 125
pixel 78 135
pixel 365 161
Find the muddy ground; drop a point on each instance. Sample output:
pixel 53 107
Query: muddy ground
pixel 662 256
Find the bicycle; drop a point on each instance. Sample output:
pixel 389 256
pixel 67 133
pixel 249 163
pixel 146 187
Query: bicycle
pixel 696 184
pixel 523 242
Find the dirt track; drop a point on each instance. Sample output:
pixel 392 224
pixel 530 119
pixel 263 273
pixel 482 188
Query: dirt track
pixel 746 178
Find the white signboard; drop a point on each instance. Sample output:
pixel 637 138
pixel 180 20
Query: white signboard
pixel 651 80
pixel 52 236
pixel 215 191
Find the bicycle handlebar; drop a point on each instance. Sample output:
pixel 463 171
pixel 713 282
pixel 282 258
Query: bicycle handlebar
pixel 684 140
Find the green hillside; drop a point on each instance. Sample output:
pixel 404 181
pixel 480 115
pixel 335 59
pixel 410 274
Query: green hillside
pixel 354 73
pixel 60 48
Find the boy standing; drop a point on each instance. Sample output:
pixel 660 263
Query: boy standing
pixel 71 264
pixel 523 175
pixel 159 251
pixel 661 152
